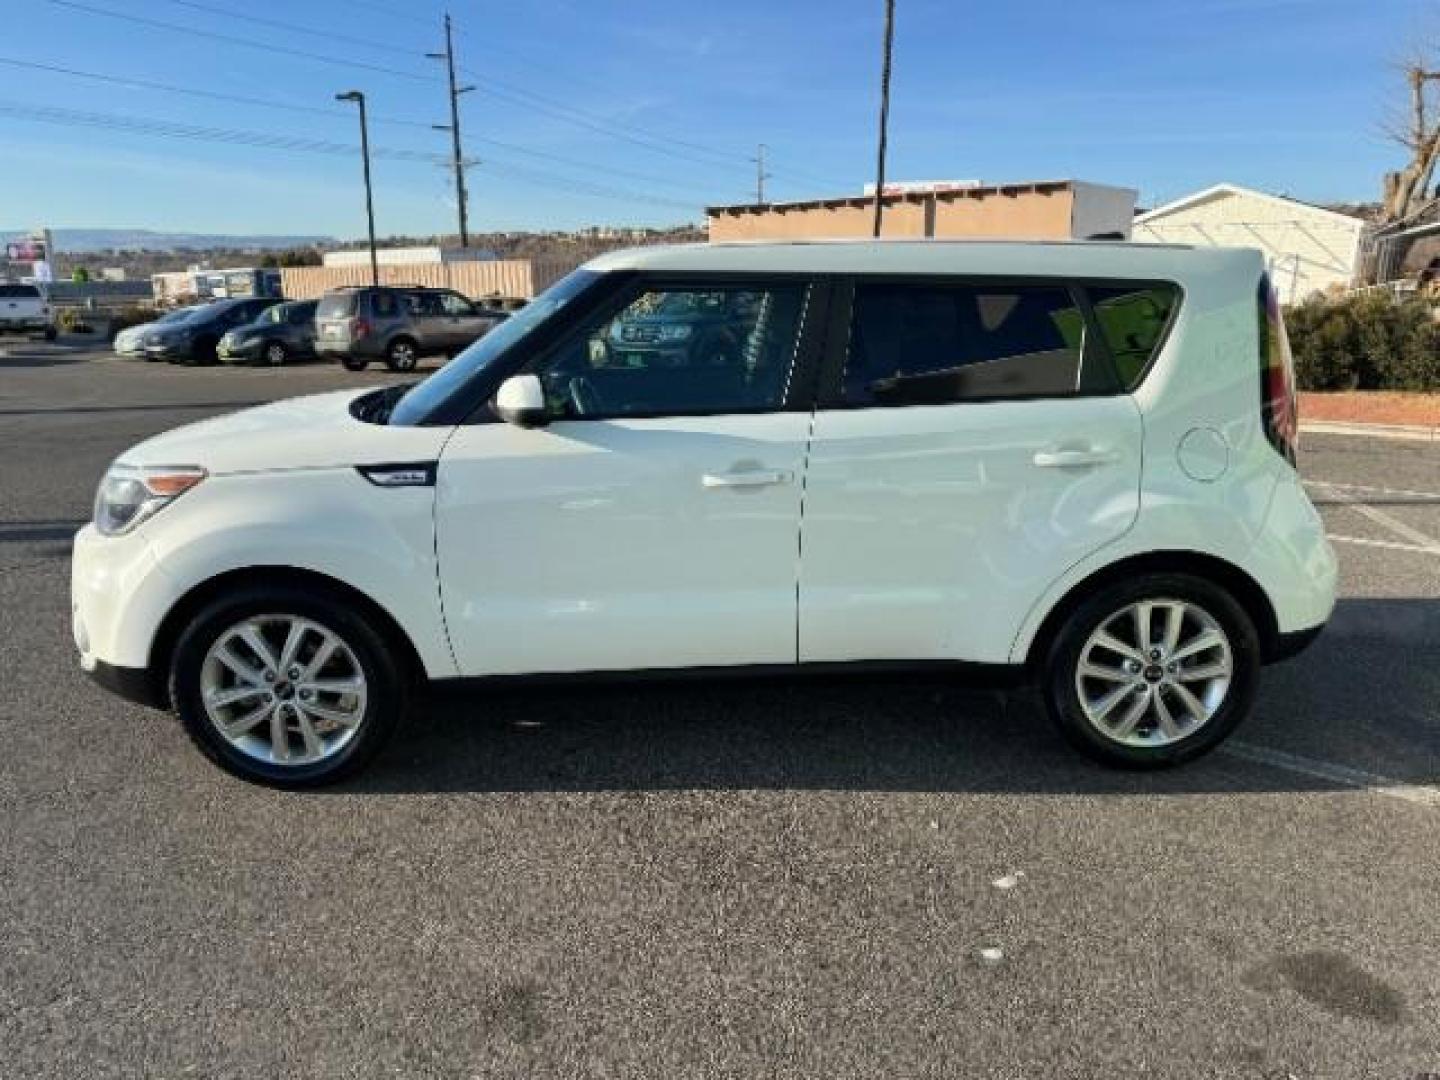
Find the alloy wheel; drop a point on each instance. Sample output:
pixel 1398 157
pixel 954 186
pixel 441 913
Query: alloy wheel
pixel 1154 672
pixel 402 356
pixel 283 689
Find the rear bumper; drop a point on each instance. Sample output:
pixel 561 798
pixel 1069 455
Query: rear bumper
pixel 24 326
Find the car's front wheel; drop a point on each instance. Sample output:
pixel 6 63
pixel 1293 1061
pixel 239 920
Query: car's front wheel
pixel 286 687
pixel 1154 671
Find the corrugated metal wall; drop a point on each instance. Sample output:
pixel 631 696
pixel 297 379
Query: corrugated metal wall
pixel 512 279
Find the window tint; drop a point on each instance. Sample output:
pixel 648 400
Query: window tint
pixel 1133 320
pixel 673 352
pixel 936 344
pixel 455 304
pixel 300 314
pixel 19 292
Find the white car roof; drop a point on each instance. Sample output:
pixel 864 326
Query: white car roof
pixel 1076 258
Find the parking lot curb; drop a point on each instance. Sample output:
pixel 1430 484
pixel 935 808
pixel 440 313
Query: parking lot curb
pixel 1423 433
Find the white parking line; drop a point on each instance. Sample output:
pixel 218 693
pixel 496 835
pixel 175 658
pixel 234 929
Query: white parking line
pixel 1401 492
pixel 1420 794
pixel 1424 541
pixel 1392 545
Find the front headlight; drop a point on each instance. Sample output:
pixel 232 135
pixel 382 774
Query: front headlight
pixel 129 494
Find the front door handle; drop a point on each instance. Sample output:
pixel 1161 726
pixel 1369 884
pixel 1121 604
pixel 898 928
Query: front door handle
pixel 1075 459
pixel 754 478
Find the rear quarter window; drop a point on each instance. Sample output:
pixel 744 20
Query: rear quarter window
pixel 336 306
pixel 19 292
pixel 1133 320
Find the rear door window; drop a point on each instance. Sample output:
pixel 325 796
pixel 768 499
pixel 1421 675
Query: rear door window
pixel 937 344
pixel 19 292
pixel 1133 320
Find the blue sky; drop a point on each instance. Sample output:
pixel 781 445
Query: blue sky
pixel 644 111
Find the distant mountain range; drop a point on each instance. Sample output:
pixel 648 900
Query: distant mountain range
pixel 87 240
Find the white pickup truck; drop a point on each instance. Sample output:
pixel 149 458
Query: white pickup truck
pixel 25 309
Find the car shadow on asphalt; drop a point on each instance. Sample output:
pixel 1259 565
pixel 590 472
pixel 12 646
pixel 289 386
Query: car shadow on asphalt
pixel 915 733
pixel 11 357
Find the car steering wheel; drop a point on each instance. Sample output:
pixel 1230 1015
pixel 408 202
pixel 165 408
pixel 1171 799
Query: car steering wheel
pixel 585 398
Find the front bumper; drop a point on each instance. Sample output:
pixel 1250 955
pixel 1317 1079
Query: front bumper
pixel 248 349
pixel 167 352
pixel 132 684
pixel 118 597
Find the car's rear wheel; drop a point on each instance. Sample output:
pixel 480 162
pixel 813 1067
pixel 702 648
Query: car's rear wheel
pixel 286 687
pixel 1152 672
pixel 275 353
pixel 402 355
pixel 354 363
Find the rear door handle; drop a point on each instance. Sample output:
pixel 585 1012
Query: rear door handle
pixel 1074 459
pixel 756 478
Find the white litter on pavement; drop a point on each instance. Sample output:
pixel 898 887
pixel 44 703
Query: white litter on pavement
pixel 1009 881
pixel 991 955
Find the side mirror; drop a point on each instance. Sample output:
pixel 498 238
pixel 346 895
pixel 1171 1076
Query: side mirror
pixel 521 401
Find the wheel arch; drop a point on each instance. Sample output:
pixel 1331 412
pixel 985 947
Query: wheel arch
pixel 162 648
pixel 1247 592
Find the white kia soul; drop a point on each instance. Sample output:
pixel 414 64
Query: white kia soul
pixel 1069 461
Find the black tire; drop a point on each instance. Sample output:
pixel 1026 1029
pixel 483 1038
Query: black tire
pixel 202 353
pixel 274 353
pixel 402 354
pixel 51 333
pixel 1058 678
pixel 388 688
pixel 354 363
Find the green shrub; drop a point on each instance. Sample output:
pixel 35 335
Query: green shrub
pixel 1368 342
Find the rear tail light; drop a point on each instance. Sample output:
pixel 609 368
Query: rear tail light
pixel 359 328
pixel 1279 409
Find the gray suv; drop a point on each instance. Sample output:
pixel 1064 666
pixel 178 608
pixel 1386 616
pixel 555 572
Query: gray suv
pixel 397 324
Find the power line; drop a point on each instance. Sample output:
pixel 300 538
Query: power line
pixel 190 91
pixel 336 114
pixel 232 39
pixel 503 91
pixel 178 130
pixel 290 144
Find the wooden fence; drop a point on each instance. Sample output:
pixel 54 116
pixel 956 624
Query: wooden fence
pixel 509 279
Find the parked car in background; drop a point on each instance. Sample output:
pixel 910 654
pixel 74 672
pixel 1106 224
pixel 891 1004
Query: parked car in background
pixel 131 340
pixel 681 329
pixel 1070 464
pixel 398 325
pixel 192 340
pixel 278 334
pixel 25 309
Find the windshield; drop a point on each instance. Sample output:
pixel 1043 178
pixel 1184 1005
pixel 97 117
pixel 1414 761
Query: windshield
pixel 424 396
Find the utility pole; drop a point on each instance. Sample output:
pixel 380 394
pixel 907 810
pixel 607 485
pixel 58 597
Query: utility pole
pixel 884 113
pixel 457 158
pixel 359 99
pixel 760 175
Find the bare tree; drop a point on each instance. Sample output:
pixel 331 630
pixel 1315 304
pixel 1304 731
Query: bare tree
pixel 1408 189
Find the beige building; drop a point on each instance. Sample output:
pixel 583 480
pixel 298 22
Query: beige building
pixel 1043 209
pixel 1307 248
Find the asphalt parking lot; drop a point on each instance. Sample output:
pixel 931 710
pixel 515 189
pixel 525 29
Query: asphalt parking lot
pixel 770 879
